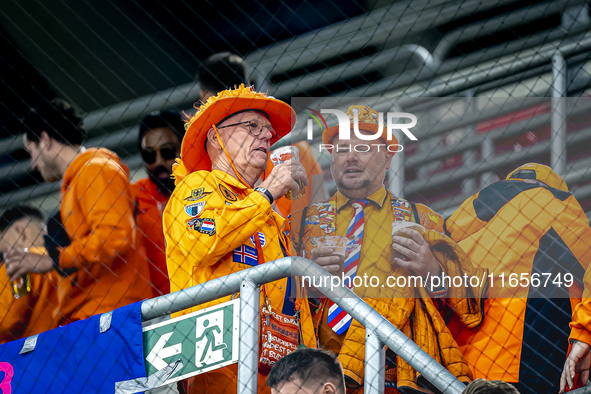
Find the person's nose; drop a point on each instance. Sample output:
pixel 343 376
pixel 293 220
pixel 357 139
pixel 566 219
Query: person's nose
pixel 267 133
pixel 159 159
pixel 352 156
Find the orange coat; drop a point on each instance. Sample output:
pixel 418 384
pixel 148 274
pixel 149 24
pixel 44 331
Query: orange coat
pixel 208 225
pixel 312 167
pixel 102 268
pixel 149 205
pixel 29 315
pixel 514 227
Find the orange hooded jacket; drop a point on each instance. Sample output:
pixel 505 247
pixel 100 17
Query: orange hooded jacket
pixel 101 267
pixel 514 227
pixel 149 206
pixel 210 223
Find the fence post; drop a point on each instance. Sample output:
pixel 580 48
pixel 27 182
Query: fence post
pixel 396 173
pixel 248 348
pixel 487 149
pixel 375 362
pixel 558 121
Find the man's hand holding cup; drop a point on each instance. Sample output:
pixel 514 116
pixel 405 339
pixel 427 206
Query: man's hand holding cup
pixel 289 155
pixel 282 179
pixel 330 253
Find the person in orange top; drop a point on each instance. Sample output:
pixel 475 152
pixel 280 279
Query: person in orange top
pixel 23 227
pixel 365 213
pixel 91 241
pixel 314 189
pixel 160 140
pixel 531 227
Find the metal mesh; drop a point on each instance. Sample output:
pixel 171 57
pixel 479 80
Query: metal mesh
pixel 493 84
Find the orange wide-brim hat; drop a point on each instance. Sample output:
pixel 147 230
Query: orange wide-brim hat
pixel 368 120
pixel 540 173
pixel 225 104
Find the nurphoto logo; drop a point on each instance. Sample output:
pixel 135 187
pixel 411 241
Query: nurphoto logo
pixel 352 118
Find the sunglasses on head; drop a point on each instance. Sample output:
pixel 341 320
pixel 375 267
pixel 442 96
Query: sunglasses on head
pixel 166 152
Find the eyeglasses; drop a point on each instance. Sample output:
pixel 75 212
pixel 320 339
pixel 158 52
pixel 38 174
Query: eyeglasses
pixel 254 127
pixel 167 153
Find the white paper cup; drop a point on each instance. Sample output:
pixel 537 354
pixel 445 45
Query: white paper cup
pixel 339 245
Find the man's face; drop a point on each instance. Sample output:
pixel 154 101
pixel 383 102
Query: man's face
pixel 160 144
pixel 359 174
pixel 42 158
pixel 23 233
pixel 247 150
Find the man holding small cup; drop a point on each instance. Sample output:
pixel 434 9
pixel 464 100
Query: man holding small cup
pixel 386 237
pixel 217 222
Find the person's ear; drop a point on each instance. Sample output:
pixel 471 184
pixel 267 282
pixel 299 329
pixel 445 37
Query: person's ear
pixel 44 140
pixel 329 388
pixel 212 139
pixel 389 157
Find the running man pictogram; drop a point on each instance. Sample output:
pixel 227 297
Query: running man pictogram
pixel 208 333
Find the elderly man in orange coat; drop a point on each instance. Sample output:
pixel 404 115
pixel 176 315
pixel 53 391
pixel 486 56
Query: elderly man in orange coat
pixel 92 239
pixel 217 223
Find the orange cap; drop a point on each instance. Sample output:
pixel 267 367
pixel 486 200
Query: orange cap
pixel 368 120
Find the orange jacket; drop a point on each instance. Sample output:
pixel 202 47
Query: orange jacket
pixel 209 223
pixel 149 205
pixel 102 268
pixel 31 314
pixel 408 308
pixel 312 167
pixel 514 227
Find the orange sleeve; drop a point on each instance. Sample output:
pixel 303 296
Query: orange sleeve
pixel 104 202
pixel 464 222
pixel 573 228
pixel 308 160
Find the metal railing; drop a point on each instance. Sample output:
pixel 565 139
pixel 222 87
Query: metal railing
pixel 379 331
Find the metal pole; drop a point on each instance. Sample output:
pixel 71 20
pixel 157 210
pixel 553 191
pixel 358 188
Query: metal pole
pixel 375 364
pixel 246 282
pixel 558 121
pixel 248 348
pixel 214 289
pixel 488 150
pixel 396 174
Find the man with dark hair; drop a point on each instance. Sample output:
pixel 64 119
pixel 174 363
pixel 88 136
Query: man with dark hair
pixel 219 72
pixel 481 386
pixel 23 227
pixel 92 242
pixel 160 140
pixel 309 371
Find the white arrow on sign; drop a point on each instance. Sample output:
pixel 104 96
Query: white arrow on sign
pixel 159 352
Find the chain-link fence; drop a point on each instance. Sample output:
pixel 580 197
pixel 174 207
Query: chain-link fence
pixel 462 94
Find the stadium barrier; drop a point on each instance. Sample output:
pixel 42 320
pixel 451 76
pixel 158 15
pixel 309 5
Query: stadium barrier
pixel 380 332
